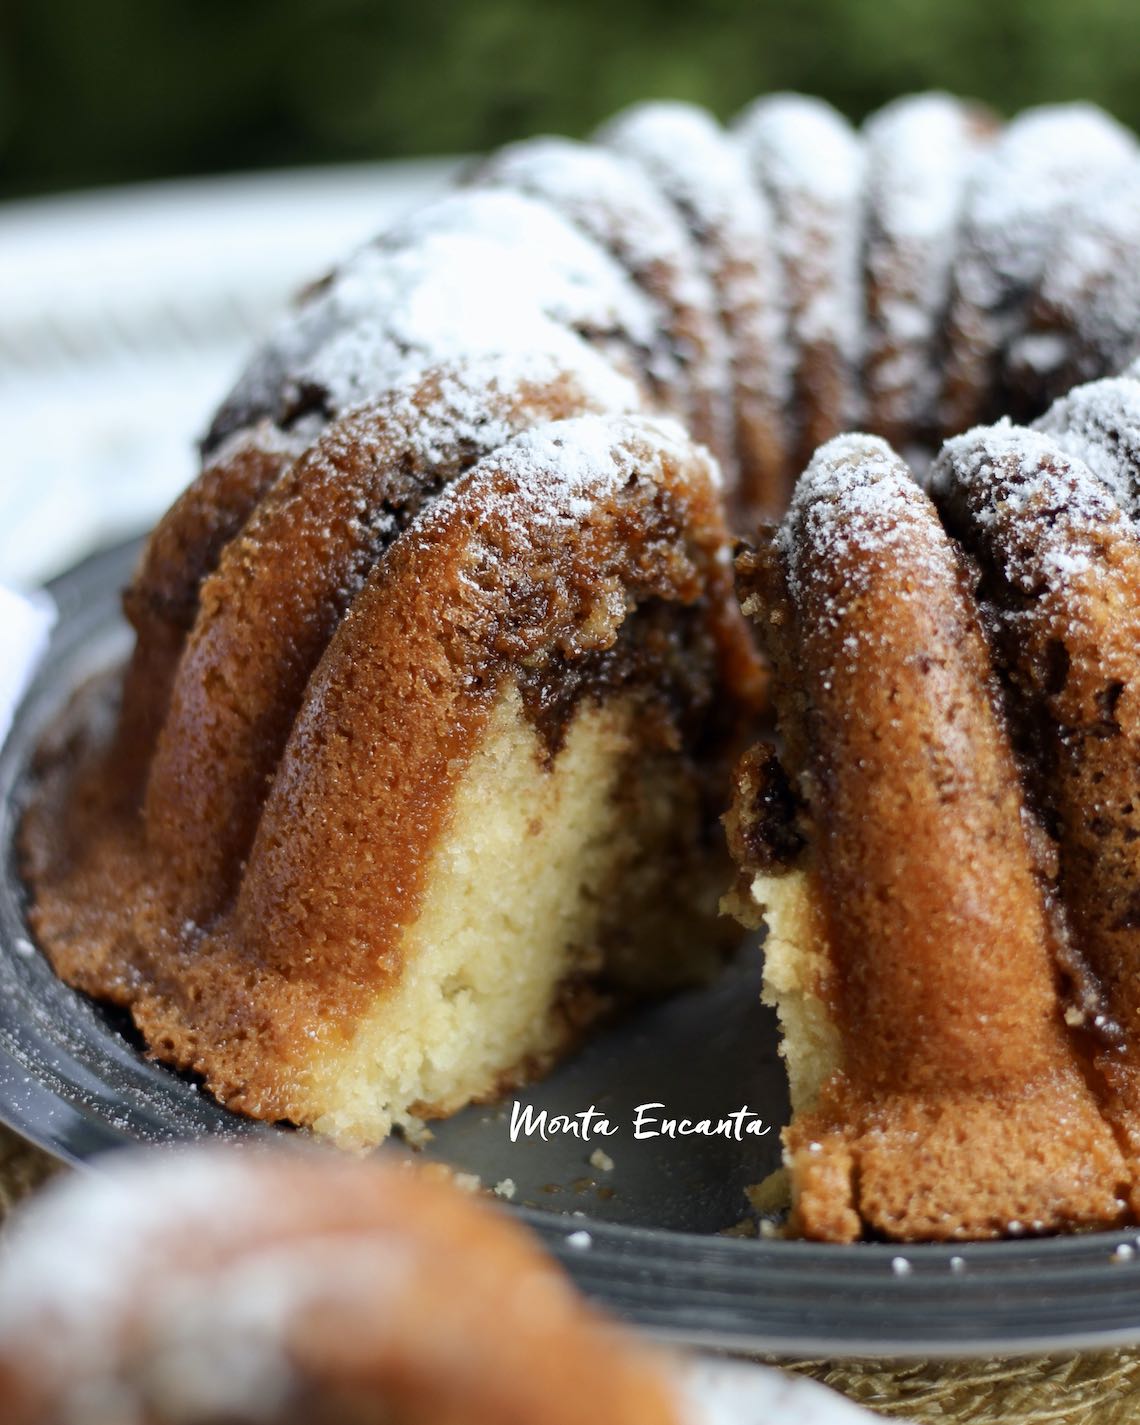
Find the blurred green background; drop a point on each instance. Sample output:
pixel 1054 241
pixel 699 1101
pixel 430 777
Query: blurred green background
pixel 107 91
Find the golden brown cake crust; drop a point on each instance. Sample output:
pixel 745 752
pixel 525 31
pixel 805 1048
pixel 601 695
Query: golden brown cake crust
pixel 267 613
pixel 315 1288
pixel 548 562
pixel 161 601
pixel 1060 586
pixel 960 1109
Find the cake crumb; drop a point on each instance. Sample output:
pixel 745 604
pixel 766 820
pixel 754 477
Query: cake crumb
pixel 774 1194
pixel 746 1227
pixel 602 1161
pixel 445 1173
pixel 432 1171
pixel 505 1189
pixel 580 1241
pixel 417 1134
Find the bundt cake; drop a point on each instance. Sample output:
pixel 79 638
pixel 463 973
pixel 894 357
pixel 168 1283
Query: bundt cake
pixel 439 672
pixel 279 1288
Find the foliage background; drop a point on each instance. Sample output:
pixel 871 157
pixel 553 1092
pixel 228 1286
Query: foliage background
pixel 102 91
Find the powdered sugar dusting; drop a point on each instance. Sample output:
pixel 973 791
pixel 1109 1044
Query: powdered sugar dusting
pixel 468 407
pixel 472 406
pixel 593 453
pixel 70 1248
pixel 548 480
pixel 690 158
pixel 213 1332
pixel 722 1392
pixel 920 153
pixel 1041 169
pixel 799 144
pixel 219 1347
pixel 610 199
pixel 856 495
pixel 697 166
pixel 1043 160
pixel 795 230
pixel 579 458
pixel 470 393
pixel 475 273
pixel 1041 511
pixel 848 467
pixel 703 172
pixel 1099 424
pixel 1085 318
pixel 810 163
pixel 264 436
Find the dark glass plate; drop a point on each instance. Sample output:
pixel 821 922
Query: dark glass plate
pixel 643 1235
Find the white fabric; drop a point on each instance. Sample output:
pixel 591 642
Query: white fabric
pixel 124 318
pixel 25 624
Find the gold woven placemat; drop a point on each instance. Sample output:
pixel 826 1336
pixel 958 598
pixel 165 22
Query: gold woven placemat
pixel 22 1169
pixel 1101 1388
pixel 1097 1388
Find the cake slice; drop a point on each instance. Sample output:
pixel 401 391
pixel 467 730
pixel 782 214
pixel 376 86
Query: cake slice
pixel 440 778
pixel 913 943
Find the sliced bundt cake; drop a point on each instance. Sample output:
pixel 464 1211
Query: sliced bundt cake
pixel 441 770
pixel 438 670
